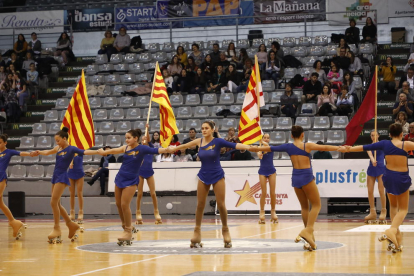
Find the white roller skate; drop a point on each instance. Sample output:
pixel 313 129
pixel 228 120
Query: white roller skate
pixel 226 237
pixel 55 236
pixel 196 240
pixel 372 217
pixel 262 218
pixel 157 217
pixel 17 226
pixel 126 238
pixel 306 236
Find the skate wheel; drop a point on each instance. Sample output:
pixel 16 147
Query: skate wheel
pixel 25 226
pixel 136 223
pixel 228 245
pixel 17 238
pixel 298 239
pixel 81 229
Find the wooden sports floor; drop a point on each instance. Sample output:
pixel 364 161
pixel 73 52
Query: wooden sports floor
pixel 345 247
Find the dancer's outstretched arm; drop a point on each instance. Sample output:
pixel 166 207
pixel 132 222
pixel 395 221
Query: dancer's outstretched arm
pixel 313 146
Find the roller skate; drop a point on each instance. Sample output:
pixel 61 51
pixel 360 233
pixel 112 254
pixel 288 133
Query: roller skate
pixel 196 240
pixel 262 219
pixel 390 235
pixel 274 218
pixel 157 217
pixel 306 236
pixel 226 237
pixel 55 236
pixel 17 226
pixel 72 215
pixel 73 229
pixel 126 238
pixel 372 217
pixel 383 216
pixel 80 221
pixel 138 217
pixel 399 239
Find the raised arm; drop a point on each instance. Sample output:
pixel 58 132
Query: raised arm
pixel 26 153
pixel 240 146
pixel 193 143
pixel 313 146
pixel 111 151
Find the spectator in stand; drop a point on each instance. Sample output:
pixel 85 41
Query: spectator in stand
pixel 402 120
pixel 410 62
pixel 13 60
pixel 11 102
pixel 183 83
pixel 275 47
pixel 231 53
pixel 409 77
pixel 289 102
pixel 182 55
pixel 174 68
pixel 246 76
pixel 218 81
pixel 20 46
pixel 165 157
pixel 11 69
pixel 175 142
pixel 326 101
pixel 3 74
pixel 409 92
pixel 223 61
pixel 388 71
pixel 26 64
pixel 197 55
pixel 262 57
pixel 32 76
pixel 9 80
pixel 107 45
pixel 342 44
pixel 344 102
pixel 63 47
pixel 20 88
pixel 349 81
pixel 199 83
pixel 410 137
pixel 322 154
pixel 233 80
pixel 215 55
pixel 208 66
pixel 122 42
pixel 352 33
pixel 369 32
pixel 273 67
pixel 2 62
pixel 103 171
pixel 183 156
pixel 168 80
pixel 155 140
pixel 191 67
pixel 34 46
pixel 231 137
pixel 241 59
pixel 317 67
pixel 335 77
pixel 403 105
pixel 342 60
pixel 311 89
pixel 240 155
pixel 191 137
pixel 355 66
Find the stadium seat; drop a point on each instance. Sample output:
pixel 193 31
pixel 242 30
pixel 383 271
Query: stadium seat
pixel 193 123
pixel 27 142
pixel 101 59
pixel 266 123
pixel 154 114
pixel 100 114
pixel 110 102
pixel 106 127
pixel 145 57
pixel 113 141
pixel 150 66
pixel 139 124
pixel 353 48
pixel 18 171
pixel 289 42
pixel 185 44
pixel 243 43
pixel 321 40
pixel 277 137
pixel 201 112
pixel 142 101
pixel 95 102
pixel 116 114
pixel 357 82
pixel 200 44
pixel 145 77
pixel 321 122
pixel 62 115
pixel 335 137
pixel 335 155
pixel 126 102
pixel 44 142
pixel 54 127
pixel 15 159
pixel 240 98
pixel 106 68
pixel 315 136
pixel 91 69
pixel 210 44
pixel 227 123
pixel 305 72
pixel 131 58
pixel 184 112
pixel 192 99
pixel 270 41
pixel 70 91
pixel 236 109
pixel 123 126
pixel 300 51
pixel 215 109
pixel 209 99
pixel 121 67
pixel 168 47
pixel 30 159
pixel 317 51
pixel 49 171
pixel 99 142
pixel 119 89
pixel 331 50
pixel 116 58
pixel 304 122
pixel 290 73
pixel 251 52
pixel 97 80
pixel 275 97
pixel 284 156
pixel 283 123
pixel 153 47
pixel 287 51
pixel 133 113
pixel 112 79
pixel 309 61
pixel 226 98
pixel 305 41
pixel 257 42
pixel 154 125
pixel 39 128
pixel 308 109
pixel 48 158
pixel 366 48
pixel 36 171
pixel 225 44
pixel 339 122
pixel 176 100
pixel 136 68
pixel 268 85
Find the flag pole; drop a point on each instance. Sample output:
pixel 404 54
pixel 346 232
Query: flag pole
pixel 375 118
pixel 257 71
pixel 152 93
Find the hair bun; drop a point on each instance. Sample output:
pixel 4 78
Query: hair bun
pixel 65 129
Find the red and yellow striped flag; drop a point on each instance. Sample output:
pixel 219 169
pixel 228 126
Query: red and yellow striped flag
pixel 78 118
pixel 249 126
pixel 168 124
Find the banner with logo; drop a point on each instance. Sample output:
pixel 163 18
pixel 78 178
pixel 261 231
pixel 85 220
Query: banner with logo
pixel 400 8
pixel 288 11
pixel 358 10
pixel 88 20
pixel 40 22
pixel 140 18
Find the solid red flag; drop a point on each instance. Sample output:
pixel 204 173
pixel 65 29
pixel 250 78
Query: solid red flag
pixel 365 113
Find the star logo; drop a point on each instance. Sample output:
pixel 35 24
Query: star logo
pixel 247 193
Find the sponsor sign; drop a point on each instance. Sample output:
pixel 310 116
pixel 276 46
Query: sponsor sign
pixel 67 79
pixel 288 11
pixel 86 20
pixel 394 56
pixel 401 8
pixel 139 18
pixel 396 46
pixel 35 21
pixel 57 90
pixel 75 68
pixel 358 10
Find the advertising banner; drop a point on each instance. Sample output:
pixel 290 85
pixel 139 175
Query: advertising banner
pixel 400 8
pixel 140 18
pixel 35 21
pixel 358 10
pixel 288 11
pixel 88 20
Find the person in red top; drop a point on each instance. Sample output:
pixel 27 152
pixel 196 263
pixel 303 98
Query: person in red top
pixel 175 143
pixel 410 137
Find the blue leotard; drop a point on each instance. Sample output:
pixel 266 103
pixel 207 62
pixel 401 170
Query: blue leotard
pixel 5 157
pixel 211 170
pixel 395 182
pixel 266 164
pixel 77 171
pixel 380 168
pixel 63 160
pixel 128 174
pixel 146 170
pixel 300 177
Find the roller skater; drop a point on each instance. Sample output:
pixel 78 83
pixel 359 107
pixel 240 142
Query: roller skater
pixel 147 173
pixel 302 179
pixel 60 180
pixel 127 179
pixel 76 179
pixel 375 171
pixel 5 156
pixel 396 178
pixel 211 173
pixel 267 173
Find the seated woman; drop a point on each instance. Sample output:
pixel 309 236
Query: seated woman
pixel 356 67
pixel 199 83
pixel 168 80
pixel 246 76
pixel 388 70
pixel 26 64
pixel 344 102
pixel 335 77
pixel 369 32
pixel 13 60
pixel 326 101
pixel 183 83
pixel 20 46
pixel 174 68
pixel 289 102
pixel 182 55
pixel 317 67
pixel 208 66
pixel 402 120
pixel 63 47
pixel 233 80
pixel 183 156
pixel 10 103
pixel 191 67
pixel 240 60
pixel 107 44
pixel 262 57
pixel 342 43
pixel 273 67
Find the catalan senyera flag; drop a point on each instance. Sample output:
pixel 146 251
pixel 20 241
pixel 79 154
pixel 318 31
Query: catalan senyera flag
pixel 249 126
pixel 168 124
pixel 78 118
